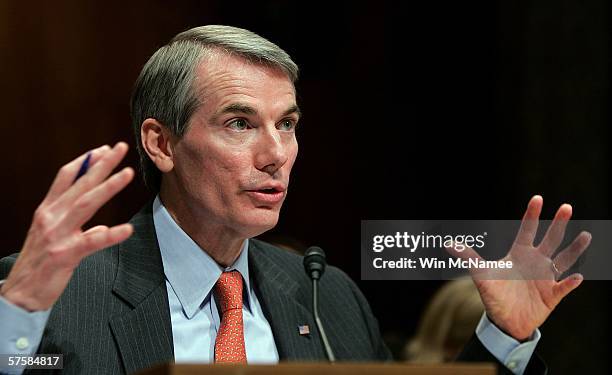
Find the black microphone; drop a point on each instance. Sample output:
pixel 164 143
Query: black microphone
pixel 314 264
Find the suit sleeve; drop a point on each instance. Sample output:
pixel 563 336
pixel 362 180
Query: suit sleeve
pixel 490 344
pixel 474 351
pixel 381 351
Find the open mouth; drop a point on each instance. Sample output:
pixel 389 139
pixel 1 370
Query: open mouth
pixel 268 191
pixel 267 196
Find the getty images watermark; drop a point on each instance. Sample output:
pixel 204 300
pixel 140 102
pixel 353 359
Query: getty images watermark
pixel 489 249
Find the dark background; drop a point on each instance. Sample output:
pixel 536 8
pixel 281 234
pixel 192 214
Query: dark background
pixel 450 110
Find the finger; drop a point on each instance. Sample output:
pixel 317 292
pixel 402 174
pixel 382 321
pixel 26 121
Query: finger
pixel 568 256
pixel 94 177
pixel 556 231
pixel 529 224
pixel 565 286
pixel 89 203
pixel 95 229
pixel 90 242
pixel 65 176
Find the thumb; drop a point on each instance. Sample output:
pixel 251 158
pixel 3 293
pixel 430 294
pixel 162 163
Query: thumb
pixel 565 286
pixel 462 251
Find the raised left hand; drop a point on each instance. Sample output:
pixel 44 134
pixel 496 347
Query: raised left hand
pixel 520 301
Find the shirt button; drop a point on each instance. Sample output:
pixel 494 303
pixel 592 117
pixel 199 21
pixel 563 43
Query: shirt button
pixel 512 365
pixel 22 343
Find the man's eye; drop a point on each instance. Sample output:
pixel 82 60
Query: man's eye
pixel 238 124
pixel 287 125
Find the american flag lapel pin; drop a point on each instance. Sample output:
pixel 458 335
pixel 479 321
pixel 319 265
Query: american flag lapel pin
pixel 304 330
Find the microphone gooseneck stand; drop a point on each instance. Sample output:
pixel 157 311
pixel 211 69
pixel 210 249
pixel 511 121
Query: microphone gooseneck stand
pixel 314 264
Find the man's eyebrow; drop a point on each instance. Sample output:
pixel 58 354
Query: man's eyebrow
pixel 248 110
pixel 293 109
pixel 235 108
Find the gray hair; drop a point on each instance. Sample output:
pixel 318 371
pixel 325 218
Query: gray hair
pixel 164 89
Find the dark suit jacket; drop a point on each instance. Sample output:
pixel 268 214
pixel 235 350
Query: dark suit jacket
pixel 113 317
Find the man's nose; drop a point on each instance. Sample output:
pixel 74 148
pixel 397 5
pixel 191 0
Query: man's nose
pixel 271 153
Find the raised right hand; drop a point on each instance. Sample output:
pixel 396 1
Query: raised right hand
pixel 55 243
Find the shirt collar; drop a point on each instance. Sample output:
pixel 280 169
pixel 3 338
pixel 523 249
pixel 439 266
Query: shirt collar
pixel 191 272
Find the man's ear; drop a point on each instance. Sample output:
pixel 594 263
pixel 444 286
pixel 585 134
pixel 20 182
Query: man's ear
pixel 155 139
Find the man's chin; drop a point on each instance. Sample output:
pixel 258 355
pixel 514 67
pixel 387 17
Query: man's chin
pixel 260 222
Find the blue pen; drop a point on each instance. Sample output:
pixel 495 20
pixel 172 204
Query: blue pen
pixel 84 167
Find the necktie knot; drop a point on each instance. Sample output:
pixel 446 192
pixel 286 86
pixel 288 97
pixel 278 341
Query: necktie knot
pixel 228 291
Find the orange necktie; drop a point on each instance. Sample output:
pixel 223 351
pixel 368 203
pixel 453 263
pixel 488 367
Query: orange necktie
pixel 229 345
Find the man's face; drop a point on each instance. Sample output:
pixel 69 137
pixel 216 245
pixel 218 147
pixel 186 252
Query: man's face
pixel 232 165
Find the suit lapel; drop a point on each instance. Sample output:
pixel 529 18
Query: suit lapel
pixel 144 335
pixel 280 297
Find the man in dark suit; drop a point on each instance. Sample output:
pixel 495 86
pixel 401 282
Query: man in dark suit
pixel 214 113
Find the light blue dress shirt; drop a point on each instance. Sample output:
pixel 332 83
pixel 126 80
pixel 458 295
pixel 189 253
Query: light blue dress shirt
pixel 190 277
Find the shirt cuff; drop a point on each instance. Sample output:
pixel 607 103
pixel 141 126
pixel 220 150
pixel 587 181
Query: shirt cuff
pixel 513 354
pixel 20 331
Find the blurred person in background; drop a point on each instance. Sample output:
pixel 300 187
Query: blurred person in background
pixel 447 323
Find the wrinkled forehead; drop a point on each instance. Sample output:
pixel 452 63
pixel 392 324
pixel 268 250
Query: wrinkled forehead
pixel 219 71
